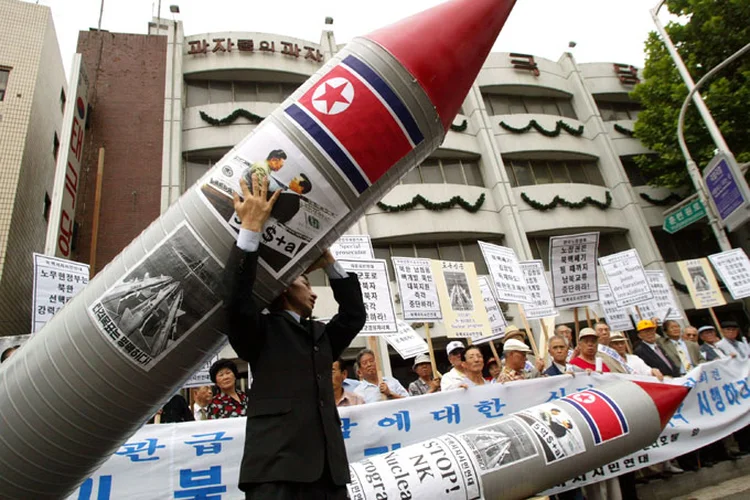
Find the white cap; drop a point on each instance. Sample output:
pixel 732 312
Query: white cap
pixel 421 358
pixel 587 332
pixel 515 345
pixel 453 345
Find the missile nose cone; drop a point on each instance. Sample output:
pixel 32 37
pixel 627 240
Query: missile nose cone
pixel 667 398
pixel 444 47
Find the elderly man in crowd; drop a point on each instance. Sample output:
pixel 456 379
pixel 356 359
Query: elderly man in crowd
pixel 650 352
pixel 690 334
pixel 710 348
pixel 684 355
pixel 425 384
pixel 202 397
pixel 608 355
pixel 341 396
pixel 620 344
pixel 588 342
pixel 729 344
pixel 473 364
pixel 515 368
pixel 454 378
pixel 565 332
pixel 512 332
pixel 558 352
pixel 370 388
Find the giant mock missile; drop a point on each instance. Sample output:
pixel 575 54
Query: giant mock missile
pixel 113 355
pixel 526 452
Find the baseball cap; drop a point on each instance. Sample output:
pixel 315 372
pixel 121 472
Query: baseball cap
pixel 515 345
pixel 587 332
pixel 617 337
pixel 729 324
pixel 705 328
pixel 645 324
pixel 421 358
pixel 453 345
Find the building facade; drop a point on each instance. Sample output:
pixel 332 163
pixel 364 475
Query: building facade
pixel 32 98
pixel 529 130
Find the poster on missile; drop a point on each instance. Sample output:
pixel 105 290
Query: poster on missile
pixel 307 208
pixel 557 433
pixel 499 445
pixel 169 293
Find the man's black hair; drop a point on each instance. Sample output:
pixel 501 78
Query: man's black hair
pixel 220 365
pixel 305 184
pixel 6 353
pixel 277 154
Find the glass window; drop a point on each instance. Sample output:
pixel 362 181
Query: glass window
pixel 197 93
pixel 534 104
pixel 511 175
pixel 412 177
pixel 431 173
pixel 473 174
pixel 402 250
pixel 452 172
pixel 541 172
pixel 635 174
pixel 515 104
pixel 523 173
pixel 4 73
pixel 245 92
pixel 288 89
pixel 594 174
pixel 451 251
pixel 577 172
pixel 500 105
pixel 566 108
pixel 193 172
pixel 549 107
pixel 269 92
pixel 220 92
pixel 427 251
pixel 472 253
pixel 559 172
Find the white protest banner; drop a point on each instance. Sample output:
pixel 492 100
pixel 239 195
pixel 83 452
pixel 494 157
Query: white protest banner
pixel 733 267
pixel 536 284
pixel 572 266
pixel 463 309
pixel 407 342
pixel 701 282
pixel 353 247
pixel 376 293
pixel 494 313
pixel 626 278
pixel 416 287
pixel 506 274
pixel 201 377
pixel 157 461
pixel 56 281
pixel 617 317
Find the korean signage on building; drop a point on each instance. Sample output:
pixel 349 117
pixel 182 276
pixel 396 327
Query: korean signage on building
pixel 203 46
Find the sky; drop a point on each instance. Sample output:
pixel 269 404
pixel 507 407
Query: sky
pixel 604 30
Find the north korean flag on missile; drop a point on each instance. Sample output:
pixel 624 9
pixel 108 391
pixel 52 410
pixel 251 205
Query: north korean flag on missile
pixel 602 415
pixel 357 121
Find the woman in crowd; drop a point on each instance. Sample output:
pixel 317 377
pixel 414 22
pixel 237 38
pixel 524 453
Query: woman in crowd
pixel 229 402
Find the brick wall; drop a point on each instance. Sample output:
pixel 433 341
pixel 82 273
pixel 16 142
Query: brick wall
pixel 127 74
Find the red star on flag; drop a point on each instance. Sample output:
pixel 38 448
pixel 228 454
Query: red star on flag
pixel 333 95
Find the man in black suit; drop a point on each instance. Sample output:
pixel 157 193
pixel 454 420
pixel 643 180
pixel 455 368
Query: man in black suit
pixel 650 352
pixel 293 443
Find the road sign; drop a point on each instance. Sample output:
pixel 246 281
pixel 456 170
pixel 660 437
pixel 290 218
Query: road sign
pixel 728 191
pixel 684 214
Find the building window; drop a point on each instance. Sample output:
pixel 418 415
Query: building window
pixel 692 242
pixel 47 206
pixel 201 92
pixel 460 251
pixel 55 145
pixel 62 100
pixel 532 172
pixel 499 104
pixel 635 174
pixel 4 73
pixel 443 171
pixel 613 111
pixel 609 243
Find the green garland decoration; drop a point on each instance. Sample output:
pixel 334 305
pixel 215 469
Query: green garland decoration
pixel 557 201
pixel 559 127
pixel 460 128
pixel 231 118
pixel 435 207
pixel 623 130
pixel 669 200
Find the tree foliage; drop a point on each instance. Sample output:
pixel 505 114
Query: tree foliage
pixel 707 33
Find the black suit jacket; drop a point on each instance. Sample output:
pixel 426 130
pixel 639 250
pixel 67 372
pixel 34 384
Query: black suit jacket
pixel 553 371
pixel 654 361
pixel 293 427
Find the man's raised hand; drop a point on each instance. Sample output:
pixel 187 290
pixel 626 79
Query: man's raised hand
pixel 254 209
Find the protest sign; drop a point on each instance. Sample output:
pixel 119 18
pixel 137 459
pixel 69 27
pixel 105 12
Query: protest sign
pixel 626 277
pixel 494 313
pixel 464 314
pixel 506 274
pixel 56 282
pixel 353 247
pixel 572 266
pixel 162 461
pixel 664 305
pixel 376 294
pixel 416 287
pixel 201 377
pixel 542 305
pixel 406 342
pixel 701 283
pixel 733 267
pixel 617 317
